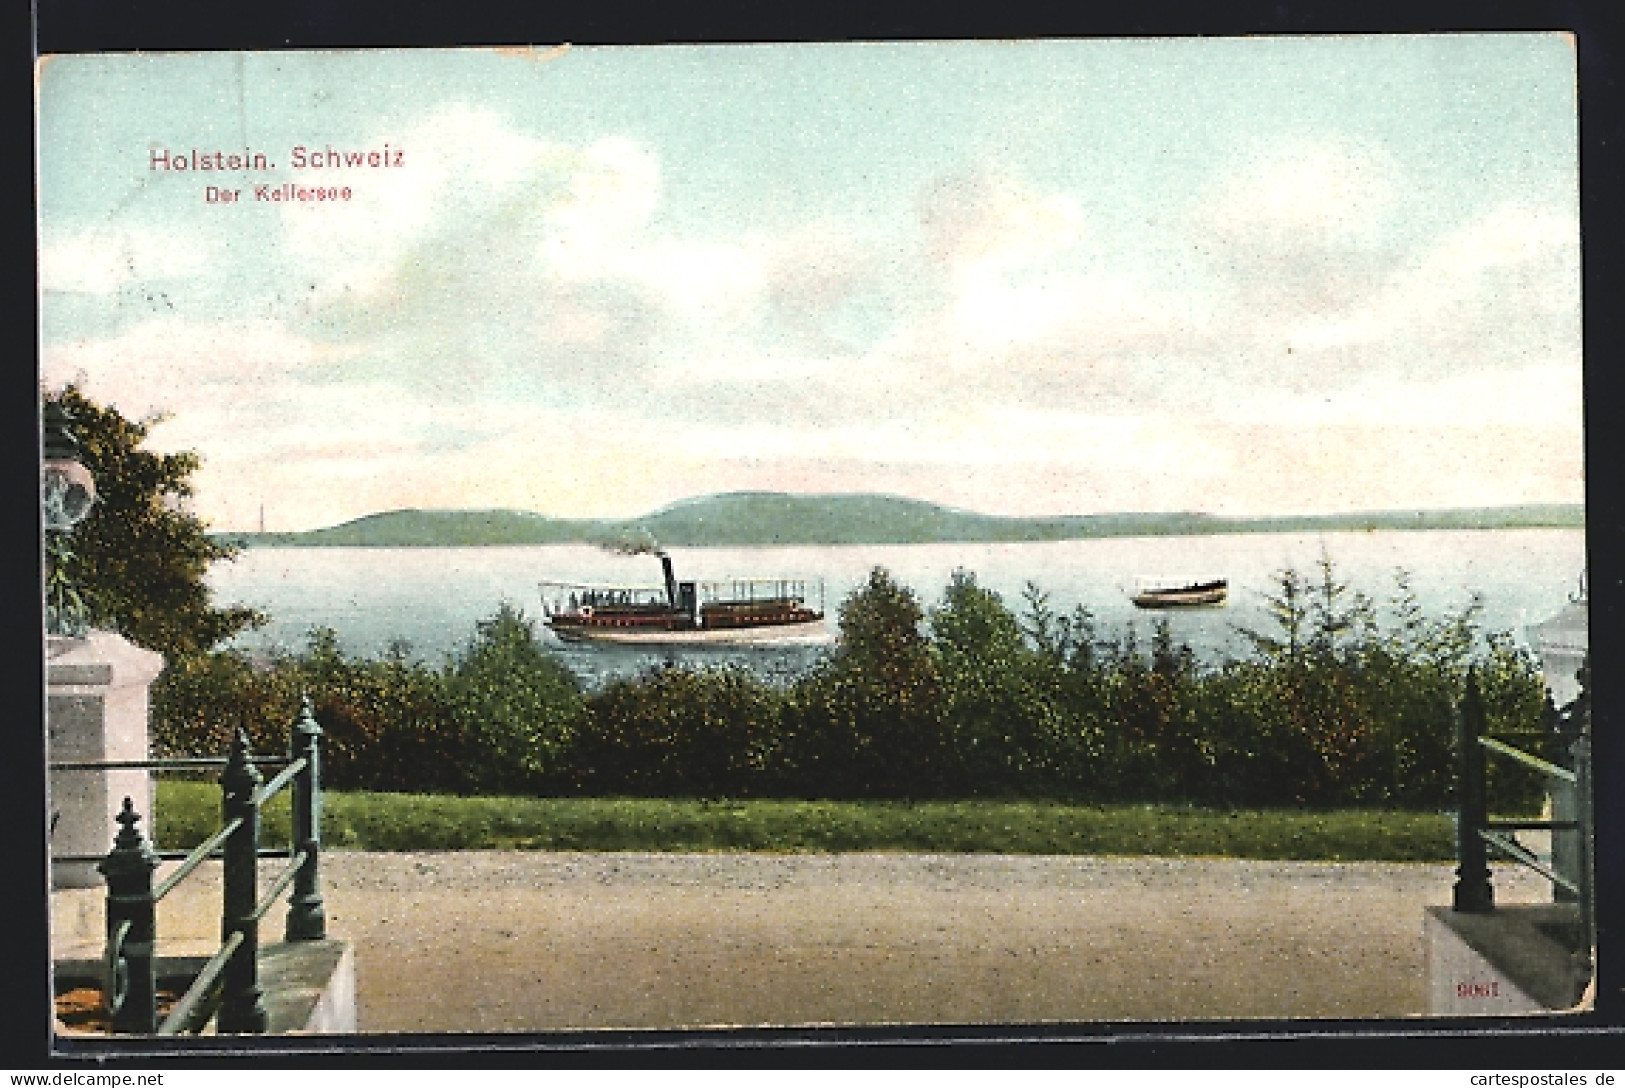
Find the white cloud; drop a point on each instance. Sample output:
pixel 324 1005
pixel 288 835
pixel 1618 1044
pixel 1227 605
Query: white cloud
pixel 1065 318
pixel 993 311
pixel 1479 265
pixel 101 260
pixel 612 190
pixel 1322 191
pixel 1312 468
pixel 1501 293
pixel 992 219
pixel 512 255
pixel 1303 235
pixel 599 229
pixel 216 382
pixel 1545 397
pixel 460 164
pixel 813 269
pixel 1020 279
pixel 708 285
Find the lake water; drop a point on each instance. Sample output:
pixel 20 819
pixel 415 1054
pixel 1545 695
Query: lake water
pixel 431 598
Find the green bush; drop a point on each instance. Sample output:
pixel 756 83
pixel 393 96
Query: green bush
pixel 500 717
pixel 202 699
pixel 384 723
pixel 681 733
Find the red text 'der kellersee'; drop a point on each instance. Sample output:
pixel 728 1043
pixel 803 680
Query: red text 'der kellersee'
pixel 308 161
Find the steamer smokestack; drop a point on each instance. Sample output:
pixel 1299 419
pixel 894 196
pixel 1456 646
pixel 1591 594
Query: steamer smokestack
pixel 671 578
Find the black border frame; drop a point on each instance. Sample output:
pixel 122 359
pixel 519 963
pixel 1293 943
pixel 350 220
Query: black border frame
pixel 1580 1043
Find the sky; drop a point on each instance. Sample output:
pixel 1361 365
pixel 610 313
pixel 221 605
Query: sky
pixel 1238 276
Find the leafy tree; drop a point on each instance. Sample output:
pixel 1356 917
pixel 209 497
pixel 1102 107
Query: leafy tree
pixel 1337 707
pixel 1001 715
pixel 1361 711
pixel 387 724
pixel 868 722
pixel 139 561
pixel 882 639
pixel 1049 633
pixel 972 622
pixel 1173 661
pixel 201 700
pixel 517 707
pixel 1068 671
pixel 502 717
pixel 1315 660
pixel 1142 711
pixel 1247 740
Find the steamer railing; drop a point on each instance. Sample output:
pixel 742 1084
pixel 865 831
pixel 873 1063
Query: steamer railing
pixel 229 980
pixel 1568 744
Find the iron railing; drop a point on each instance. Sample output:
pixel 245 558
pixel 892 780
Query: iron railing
pixel 1566 765
pixel 229 981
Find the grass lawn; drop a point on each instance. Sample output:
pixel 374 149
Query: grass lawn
pixel 189 811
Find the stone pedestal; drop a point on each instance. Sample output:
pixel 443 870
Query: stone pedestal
pixel 1562 643
pixel 1514 960
pixel 310 986
pixel 96 709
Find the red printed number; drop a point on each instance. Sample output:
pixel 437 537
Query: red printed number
pixel 1478 989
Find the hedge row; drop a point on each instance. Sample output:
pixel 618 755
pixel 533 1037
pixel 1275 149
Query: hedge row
pixel 1338 703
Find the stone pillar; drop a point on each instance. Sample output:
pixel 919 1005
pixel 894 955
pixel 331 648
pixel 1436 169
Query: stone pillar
pixel 1562 643
pixel 96 710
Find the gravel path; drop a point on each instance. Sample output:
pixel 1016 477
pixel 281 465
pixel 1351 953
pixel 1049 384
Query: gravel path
pixel 501 941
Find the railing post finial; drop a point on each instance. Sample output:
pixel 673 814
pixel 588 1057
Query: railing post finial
pixel 132 981
pixel 307 917
pixel 242 1006
pixel 306 721
pixel 240 777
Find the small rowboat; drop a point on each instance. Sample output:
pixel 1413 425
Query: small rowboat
pixel 1210 594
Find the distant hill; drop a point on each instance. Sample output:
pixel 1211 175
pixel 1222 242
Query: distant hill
pixel 753 518
pixel 760 518
pixel 436 528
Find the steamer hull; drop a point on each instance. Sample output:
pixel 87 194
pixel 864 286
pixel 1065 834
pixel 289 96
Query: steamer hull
pixel 810 630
